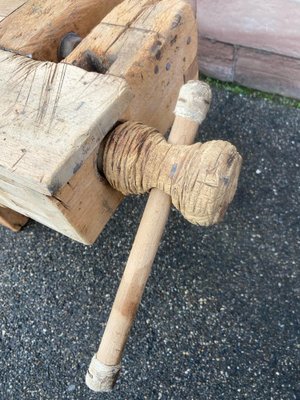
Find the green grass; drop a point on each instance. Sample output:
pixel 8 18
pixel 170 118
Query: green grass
pixel 234 88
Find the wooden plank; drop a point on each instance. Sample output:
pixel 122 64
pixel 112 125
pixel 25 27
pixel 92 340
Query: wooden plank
pixel 37 27
pixel 11 219
pixel 7 7
pixel 52 148
pixel 52 118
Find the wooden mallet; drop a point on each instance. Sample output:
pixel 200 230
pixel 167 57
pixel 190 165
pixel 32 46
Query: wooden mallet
pixel 191 109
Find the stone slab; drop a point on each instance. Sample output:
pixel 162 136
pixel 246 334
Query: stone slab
pixel 216 59
pixel 268 72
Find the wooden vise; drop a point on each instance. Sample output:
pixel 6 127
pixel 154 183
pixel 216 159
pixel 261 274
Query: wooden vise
pixel 54 116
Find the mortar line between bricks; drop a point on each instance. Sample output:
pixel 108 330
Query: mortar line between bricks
pixel 235 60
pixel 261 51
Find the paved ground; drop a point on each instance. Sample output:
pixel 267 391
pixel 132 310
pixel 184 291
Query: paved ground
pixel 220 316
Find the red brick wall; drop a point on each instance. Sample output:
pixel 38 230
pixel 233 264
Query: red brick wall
pixel 255 43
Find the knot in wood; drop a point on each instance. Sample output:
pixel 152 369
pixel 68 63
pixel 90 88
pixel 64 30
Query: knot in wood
pixel 201 179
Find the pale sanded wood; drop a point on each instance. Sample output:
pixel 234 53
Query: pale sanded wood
pixel 9 6
pixel 11 219
pixel 52 117
pixel 37 27
pixel 105 365
pixel 140 261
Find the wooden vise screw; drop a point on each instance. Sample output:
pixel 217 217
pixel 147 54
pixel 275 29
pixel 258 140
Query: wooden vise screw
pixel 201 180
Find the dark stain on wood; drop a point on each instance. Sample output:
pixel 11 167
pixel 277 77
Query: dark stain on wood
pixel 176 22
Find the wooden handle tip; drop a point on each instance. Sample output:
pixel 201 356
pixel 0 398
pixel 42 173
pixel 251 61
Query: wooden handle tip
pixel 194 101
pixel 101 377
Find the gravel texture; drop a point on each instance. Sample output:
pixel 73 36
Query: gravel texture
pixel 220 314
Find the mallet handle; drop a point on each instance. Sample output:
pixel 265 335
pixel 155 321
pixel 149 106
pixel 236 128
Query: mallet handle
pixel 140 260
pixel 105 365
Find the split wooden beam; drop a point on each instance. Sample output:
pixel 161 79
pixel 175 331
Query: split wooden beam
pixel 149 46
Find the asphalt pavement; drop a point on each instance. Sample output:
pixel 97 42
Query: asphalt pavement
pixel 220 315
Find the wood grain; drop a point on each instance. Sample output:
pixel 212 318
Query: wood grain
pixel 201 179
pixel 79 210
pixel 53 119
pixel 50 24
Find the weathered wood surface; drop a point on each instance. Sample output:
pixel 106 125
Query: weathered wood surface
pixel 270 26
pixel 198 178
pixel 37 27
pixel 11 219
pixel 52 117
pixel 6 8
pixel 136 41
pixel 42 42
